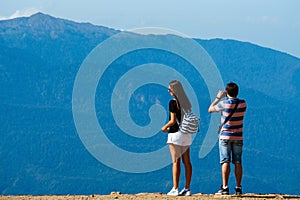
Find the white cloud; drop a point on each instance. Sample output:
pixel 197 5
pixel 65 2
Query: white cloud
pixel 21 13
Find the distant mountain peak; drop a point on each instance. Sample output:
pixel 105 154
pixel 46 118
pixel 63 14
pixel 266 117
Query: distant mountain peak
pixel 41 24
pixel 41 16
pixel 55 22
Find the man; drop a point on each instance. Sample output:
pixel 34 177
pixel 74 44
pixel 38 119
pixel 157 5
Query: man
pixel 231 134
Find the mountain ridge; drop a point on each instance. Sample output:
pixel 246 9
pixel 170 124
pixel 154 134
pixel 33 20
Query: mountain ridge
pixel 42 22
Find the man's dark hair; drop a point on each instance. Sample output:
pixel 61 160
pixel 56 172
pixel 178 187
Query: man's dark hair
pixel 232 89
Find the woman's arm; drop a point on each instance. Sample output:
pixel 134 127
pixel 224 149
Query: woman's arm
pixel 170 123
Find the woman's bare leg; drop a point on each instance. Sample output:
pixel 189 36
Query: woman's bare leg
pixel 187 166
pixel 175 153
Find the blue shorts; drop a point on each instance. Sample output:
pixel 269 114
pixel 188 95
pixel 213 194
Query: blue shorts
pixel 230 148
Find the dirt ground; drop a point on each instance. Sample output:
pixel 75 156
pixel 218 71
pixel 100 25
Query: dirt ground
pixel 148 196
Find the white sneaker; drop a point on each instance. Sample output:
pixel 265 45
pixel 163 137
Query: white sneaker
pixel 185 192
pixel 173 192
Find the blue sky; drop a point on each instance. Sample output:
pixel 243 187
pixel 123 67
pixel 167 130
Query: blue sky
pixel 268 23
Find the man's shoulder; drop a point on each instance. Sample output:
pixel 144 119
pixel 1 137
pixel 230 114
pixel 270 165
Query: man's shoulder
pixel 234 100
pixel 242 101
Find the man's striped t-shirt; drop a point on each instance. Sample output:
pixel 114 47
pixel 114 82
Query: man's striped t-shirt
pixel 233 129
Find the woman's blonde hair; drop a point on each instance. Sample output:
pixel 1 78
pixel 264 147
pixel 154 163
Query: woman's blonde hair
pixel 180 96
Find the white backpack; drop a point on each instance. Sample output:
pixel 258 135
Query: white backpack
pixel 190 123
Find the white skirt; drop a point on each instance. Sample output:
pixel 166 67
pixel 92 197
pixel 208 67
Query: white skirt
pixel 179 138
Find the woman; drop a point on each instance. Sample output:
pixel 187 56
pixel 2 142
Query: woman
pixel 179 143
